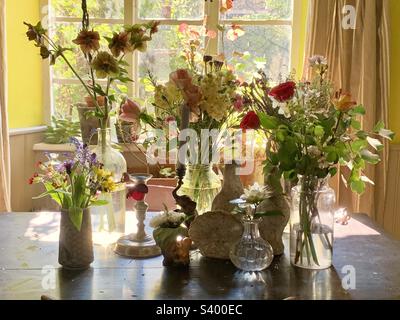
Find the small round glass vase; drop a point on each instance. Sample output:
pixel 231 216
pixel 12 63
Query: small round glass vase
pixel 251 252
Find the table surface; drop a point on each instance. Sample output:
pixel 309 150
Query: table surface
pixel 29 269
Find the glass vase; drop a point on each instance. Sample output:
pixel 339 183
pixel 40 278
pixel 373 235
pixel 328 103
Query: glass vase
pixel 251 253
pixel 109 220
pixel 311 223
pixel 202 185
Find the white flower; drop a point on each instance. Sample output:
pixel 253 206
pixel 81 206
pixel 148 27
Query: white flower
pixel 167 217
pixel 317 60
pixel 283 108
pixel 255 194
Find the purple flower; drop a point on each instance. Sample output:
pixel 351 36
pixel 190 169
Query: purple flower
pixel 68 165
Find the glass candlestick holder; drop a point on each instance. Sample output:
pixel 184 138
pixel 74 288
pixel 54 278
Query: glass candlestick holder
pixel 138 244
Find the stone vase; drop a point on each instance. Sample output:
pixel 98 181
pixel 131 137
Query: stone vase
pixel 271 228
pixel 232 188
pixel 75 247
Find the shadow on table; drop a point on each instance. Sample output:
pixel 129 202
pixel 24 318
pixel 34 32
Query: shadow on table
pixel 75 285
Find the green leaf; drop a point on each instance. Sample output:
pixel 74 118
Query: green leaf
pixel 358 110
pixel 362 135
pixel 355 124
pixel 358 186
pixel 268 122
pixel 319 131
pixel 99 203
pixel 332 157
pixel 76 215
pixel 359 145
pixel 333 171
pixel 387 134
pixel 370 157
pixel 379 126
pixel 375 143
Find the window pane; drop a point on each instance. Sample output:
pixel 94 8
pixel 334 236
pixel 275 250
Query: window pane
pixel 171 9
pixel 261 47
pixel 163 55
pixel 260 9
pixel 63 34
pixel 65 96
pixel 97 8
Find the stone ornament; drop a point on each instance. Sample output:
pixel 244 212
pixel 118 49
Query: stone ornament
pixel 215 232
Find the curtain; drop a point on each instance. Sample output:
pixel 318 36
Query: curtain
pixel 5 187
pixel 359 64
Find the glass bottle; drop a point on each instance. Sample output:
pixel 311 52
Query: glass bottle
pixel 311 223
pixel 251 253
pixel 202 185
pixel 111 217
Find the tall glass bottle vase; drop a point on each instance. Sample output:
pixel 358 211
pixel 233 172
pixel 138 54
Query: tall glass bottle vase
pixel 202 185
pixel 311 223
pixel 111 217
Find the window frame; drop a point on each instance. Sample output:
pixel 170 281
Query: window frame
pixel 211 10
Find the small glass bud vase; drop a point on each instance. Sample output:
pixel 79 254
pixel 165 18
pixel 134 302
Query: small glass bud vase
pixel 251 253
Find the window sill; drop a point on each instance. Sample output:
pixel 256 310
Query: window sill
pixel 47 147
pixel 24 131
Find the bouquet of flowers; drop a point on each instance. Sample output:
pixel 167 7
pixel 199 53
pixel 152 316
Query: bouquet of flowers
pixel 103 64
pixel 75 183
pixel 311 130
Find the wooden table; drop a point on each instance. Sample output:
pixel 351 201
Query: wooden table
pixel 29 269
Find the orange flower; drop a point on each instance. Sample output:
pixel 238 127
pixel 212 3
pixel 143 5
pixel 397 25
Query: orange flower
pixel 181 78
pixel 343 102
pixel 88 41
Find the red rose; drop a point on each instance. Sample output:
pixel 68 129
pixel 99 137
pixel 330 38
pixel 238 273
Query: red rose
pixel 283 92
pixel 250 121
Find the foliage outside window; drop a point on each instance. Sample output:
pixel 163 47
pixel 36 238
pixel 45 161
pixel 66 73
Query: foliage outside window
pixel 265 42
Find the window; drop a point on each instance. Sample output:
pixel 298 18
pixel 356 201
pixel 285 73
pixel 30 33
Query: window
pixel 266 43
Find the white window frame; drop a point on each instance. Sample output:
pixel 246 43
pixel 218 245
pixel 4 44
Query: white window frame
pixel 131 17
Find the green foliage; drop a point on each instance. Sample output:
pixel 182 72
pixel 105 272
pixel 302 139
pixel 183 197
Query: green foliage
pixel 61 131
pixel 315 131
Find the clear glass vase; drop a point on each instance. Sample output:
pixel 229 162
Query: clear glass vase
pixel 311 223
pixel 251 253
pixel 109 220
pixel 202 185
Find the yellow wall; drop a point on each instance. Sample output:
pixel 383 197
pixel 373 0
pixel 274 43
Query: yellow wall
pixel 394 112
pixel 25 103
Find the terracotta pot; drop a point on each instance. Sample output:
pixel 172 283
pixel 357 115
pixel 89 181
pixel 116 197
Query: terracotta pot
pixel 89 124
pixel 160 193
pixel 75 247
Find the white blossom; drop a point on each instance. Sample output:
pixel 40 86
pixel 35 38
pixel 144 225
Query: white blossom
pixel 168 217
pixel 255 194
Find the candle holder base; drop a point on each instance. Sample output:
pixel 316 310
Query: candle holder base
pixel 128 246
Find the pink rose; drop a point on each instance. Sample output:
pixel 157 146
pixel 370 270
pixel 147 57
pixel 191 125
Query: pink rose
pixel 181 78
pixel 192 95
pixel 130 111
